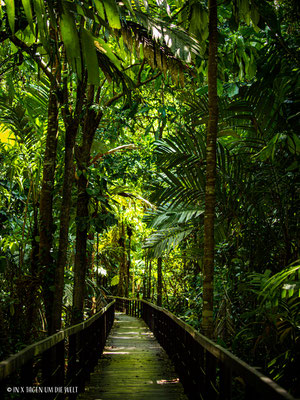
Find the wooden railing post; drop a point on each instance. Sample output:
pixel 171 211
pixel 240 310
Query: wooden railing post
pixel 210 376
pixel 72 364
pixel 26 374
pixel 225 382
pixel 48 363
pixel 60 361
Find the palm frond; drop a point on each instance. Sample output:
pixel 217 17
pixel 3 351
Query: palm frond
pixel 167 217
pixel 163 241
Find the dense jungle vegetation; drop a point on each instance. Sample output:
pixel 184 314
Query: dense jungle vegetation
pixel 152 149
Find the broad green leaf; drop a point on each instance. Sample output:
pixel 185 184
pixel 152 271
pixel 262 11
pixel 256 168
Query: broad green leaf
pixel 293 166
pixel 141 52
pixel 228 132
pixel 195 19
pixel 100 9
pixel 10 9
pixel 245 10
pixel 71 41
pixel 14 247
pixel 254 15
pixel 267 12
pixel 90 57
pixel 294 144
pixel 80 10
pixel 39 8
pixel 232 89
pixel 112 13
pixel 115 280
pixel 105 48
pixel 28 13
pixel 219 87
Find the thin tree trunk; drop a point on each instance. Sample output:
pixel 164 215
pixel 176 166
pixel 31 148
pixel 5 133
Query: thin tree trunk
pixel 133 285
pixel 32 310
pixel 90 125
pixel 159 281
pixel 72 124
pixel 209 216
pixel 123 267
pixel 64 228
pixel 34 255
pixel 145 278
pixel 149 280
pixel 81 247
pixel 129 234
pixel 46 228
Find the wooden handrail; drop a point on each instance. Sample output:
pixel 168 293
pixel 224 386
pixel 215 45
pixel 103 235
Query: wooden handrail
pixel 24 359
pixel 17 360
pixel 204 355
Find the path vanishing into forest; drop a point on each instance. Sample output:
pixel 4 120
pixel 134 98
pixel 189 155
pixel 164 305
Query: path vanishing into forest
pixel 133 366
pixel 122 353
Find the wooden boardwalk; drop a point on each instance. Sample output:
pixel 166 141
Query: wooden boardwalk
pixel 133 366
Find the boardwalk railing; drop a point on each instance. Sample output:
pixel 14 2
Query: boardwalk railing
pixel 57 367
pixel 207 370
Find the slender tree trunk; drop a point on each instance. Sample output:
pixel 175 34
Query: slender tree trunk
pixel 123 267
pixel 209 216
pixel 133 285
pixel 64 227
pixel 145 278
pixel 72 124
pixel 46 227
pixel 159 281
pixel 32 309
pixel 97 262
pixel 34 255
pixel 129 234
pixel 81 249
pixel 90 125
pixel 149 280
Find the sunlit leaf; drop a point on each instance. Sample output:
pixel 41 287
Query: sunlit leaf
pixel 10 9
pixel 71 40
pixel 28 13
pixel 90 57
pixel 112 13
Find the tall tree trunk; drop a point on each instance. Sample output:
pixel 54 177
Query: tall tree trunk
pixel 72 124
pixel 159 281
pixel 46 228
pixel 145 277
pixel 32 310
pixel 34 255
pixel 129 234
pixel 81 249
pixel 209 215
pixel 90 125
pixel 149 280
pixel 64 227
pixel 123 265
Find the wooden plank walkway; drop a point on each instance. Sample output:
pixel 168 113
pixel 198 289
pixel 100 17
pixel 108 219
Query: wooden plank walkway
pixel 133 366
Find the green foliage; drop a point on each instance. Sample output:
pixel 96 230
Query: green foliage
pixel 272 325
pixel 149 157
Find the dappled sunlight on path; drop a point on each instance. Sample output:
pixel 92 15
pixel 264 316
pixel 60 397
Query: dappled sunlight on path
pixel 133 366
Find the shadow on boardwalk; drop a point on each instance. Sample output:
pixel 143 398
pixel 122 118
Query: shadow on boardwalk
pixel 133 366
